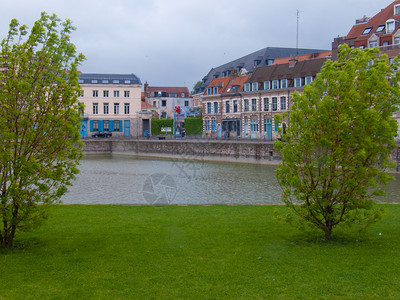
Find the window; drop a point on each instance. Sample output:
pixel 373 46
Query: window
pixel 95 94
pixel 397 10
pixel 227 108
pixel 95 108
pixel 362 47
pixel 276 125
pixel 254 125
pixel 274 103
pixel 297 82
pixel 209 91
pixel 163 115
pixel 385 44
pixel 380 28
pixel 116 108
pixel 396 41
pixel 367 30
pixel 373 44
pixel 215 90
pixel 105 108
pixel 247 87
pixel 253 104
pixel 275 84
pixel 390 25
pixel 106 125
pixel 267 85
pixel 105 94
pixel 235 106
pixel 308 80
pixel 213 125
pixel 81 93
pixel 163 103
pixel 186 103
pixel 206 125
pixel 95 125
pixel 115 81
pixel 126 108
pixel 116 125
pixel 126 94
pixel 182 95
pixel 104 81
pixel 215 107
pixel 283 103
pixel 172 95
pixel 127 81
pixel 254 86
pixel 246 104
pixel 94 81
pixel 284 84
pixel 209 107
pixel 116 94
pixel 155 103
pixel 266 123
pixel 266 104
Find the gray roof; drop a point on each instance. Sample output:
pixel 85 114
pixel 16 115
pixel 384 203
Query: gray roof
pixel 248 62
pixel 92 78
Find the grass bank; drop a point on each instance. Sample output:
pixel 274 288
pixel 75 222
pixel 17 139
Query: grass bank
pixel 199 252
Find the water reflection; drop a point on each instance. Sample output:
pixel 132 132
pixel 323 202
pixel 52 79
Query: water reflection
pixel 110 179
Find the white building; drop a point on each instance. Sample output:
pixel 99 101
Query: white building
pixel 112 103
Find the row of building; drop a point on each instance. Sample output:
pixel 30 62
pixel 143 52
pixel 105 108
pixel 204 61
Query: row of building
pixel 238 99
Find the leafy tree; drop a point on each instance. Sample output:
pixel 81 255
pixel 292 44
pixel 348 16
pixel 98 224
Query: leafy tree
pixel 39 121
pixel 197 85
pixel 337 147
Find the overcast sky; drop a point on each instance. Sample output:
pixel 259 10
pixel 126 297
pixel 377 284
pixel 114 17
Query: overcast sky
pixel 177 42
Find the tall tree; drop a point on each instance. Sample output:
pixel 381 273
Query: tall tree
pixel 39 121
pixel 337 147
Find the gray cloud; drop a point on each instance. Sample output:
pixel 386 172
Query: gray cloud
pixel 176 42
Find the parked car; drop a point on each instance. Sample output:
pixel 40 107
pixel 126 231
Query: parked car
pixel 102 134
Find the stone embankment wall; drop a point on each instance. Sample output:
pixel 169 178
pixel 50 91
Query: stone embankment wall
pixel 231 151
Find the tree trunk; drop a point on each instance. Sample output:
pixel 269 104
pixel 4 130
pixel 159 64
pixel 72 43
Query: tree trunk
pixel 328 232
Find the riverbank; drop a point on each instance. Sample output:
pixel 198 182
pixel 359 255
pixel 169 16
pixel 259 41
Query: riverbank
pixel 240 151
pixel 207 252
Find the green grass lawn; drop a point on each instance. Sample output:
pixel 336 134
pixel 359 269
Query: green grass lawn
pixel 199 252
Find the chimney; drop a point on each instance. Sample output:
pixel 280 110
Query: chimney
pixel 292 62
pixel 146 85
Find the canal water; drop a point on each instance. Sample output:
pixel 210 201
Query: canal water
pixel 111 179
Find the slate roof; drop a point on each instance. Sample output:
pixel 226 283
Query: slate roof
pixel 247 62
pixel 283 71
pixel 92 78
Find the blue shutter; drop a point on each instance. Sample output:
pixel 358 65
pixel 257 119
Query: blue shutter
pixel 101 125
pixel 91 125
pixel 111 125
pixel 120 125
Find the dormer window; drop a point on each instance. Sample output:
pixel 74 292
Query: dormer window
pixel 367 30
pixel 373 44
pixel 247 87
pixel 254 86
pixel 380 28
pixel 267 85
pixel 390 26
pixel 397 10
pixel 283 83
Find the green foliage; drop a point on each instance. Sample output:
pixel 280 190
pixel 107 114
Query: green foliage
pixel 39 121
pixel 157 124
pixel 194 126
pixel 198 83
pixel 337 148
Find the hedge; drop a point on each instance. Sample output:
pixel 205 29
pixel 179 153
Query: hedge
pixel 194 126
pixel 157 124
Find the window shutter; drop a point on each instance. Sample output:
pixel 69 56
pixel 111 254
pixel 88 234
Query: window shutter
pixel 101 125
pixel 91 125
pixel 111 128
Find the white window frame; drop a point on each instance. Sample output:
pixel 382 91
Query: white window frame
pixel 284 84
pixel 116 108
pixel 275 84
pixel 106 108
pixel 246 105
pixel 254 125
pixel 116 94
pixel 283 103
pixel 95 108
pixel 247 87
pixel 126 108
pixel 267 85
pixel 390 26
pixel 308 80
pixel 253 104
pixel 254 86
pixel 298 82
pixel 208 107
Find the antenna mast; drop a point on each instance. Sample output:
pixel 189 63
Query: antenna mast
pixel 297 35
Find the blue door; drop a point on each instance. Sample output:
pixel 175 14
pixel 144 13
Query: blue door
pixel 127 128
pixel 84 128
pixel 219 131
pixel 268 128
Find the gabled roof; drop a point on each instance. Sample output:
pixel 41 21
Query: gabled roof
pixel 219 82
pixel 92 78
pixel 284 71
pixel 168 90
pixel 235 85
pixel 264 56
pixel 373 23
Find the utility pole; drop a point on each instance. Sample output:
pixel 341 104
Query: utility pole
pixel 297 35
